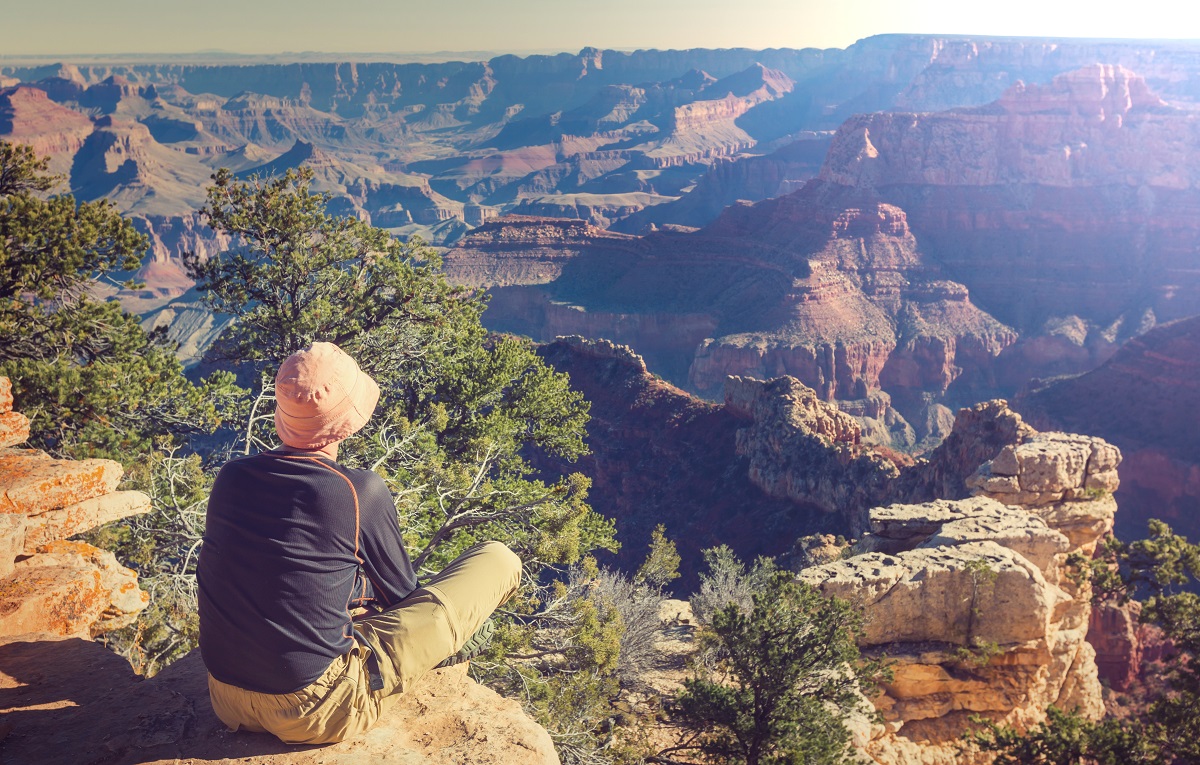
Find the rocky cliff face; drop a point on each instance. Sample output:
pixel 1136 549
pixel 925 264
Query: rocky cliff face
pixel 660 455
pixel 834 291
pixel 959 565
pixel 1064 200
pixel 971 601
pixel 74 702
pixel 29 117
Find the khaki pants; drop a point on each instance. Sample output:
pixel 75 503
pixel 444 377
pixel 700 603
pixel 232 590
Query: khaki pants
pixel 409 639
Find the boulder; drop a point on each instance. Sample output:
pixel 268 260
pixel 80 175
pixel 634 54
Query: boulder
pixel 14 429
pixel 69 588
pixel 1049 467
pixel 948 523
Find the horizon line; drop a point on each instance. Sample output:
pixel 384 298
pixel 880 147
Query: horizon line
pixel 64 57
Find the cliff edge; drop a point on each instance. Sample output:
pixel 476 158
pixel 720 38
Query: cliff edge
pixel 66 699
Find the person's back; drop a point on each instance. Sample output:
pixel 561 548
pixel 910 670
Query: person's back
pixel 279 569
pixel 294 542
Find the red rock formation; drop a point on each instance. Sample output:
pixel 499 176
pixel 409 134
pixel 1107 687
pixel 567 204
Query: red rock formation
pixel 48 584
pixel 830 289
pixel 1073 198
pixel 29 117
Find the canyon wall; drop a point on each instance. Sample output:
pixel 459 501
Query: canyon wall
pixel 1072 199
pixel 1141 399
pixel 837 293
pixel 48 583
pixel 938 259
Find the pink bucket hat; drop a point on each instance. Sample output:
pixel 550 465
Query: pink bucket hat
pixel 321 396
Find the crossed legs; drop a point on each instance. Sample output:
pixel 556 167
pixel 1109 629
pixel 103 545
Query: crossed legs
pixel 434 621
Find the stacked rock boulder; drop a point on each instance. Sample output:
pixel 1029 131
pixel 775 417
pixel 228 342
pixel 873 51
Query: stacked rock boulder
pixel 67 699
pixel 47 583
pixel 973 602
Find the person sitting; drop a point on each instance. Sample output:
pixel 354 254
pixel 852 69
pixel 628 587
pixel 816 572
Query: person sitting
pixel 294 542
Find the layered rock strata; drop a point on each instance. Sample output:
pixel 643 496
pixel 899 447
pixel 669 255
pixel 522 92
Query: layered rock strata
pixel 48 584
pixel 835 292
pixel 1068 201
pixel 973 603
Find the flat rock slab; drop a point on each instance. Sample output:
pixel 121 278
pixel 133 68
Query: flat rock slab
pixel 74 702
pixel 32 482
pixel 905 522
pixel 82 516
pixel 1009 527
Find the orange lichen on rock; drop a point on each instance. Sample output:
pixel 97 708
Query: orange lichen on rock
pixel 48 584
pixel 14 429
pixel 83 516
pixel 31 482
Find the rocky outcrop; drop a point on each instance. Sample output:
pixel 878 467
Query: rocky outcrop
pixel 971 601
pixel 960 562
pixel 47 584
pixel 76 703
pixel 661 455
pixel 803 449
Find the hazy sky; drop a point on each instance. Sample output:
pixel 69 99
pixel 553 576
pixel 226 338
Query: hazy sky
pixel 271 26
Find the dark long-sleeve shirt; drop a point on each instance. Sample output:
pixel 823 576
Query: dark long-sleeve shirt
pixel 279 569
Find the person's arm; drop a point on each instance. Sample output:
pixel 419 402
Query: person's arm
pixel 390 575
